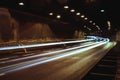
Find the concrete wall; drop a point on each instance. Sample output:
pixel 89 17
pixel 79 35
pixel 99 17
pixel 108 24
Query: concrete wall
pixel 12 29
pixel 5 25
pixel 34 30
pixel 79 34
pixel 16 26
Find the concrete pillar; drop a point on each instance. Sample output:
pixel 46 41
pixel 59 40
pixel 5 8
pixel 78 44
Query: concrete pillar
pixel 15 27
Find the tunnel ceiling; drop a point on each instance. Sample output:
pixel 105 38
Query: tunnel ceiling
pixel 90 8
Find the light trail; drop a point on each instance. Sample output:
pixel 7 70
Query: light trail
pixel 50 53
pixel 27 64
pixel 41 45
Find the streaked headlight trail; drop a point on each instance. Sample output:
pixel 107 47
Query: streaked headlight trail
pixel 23 65
pixel 41 45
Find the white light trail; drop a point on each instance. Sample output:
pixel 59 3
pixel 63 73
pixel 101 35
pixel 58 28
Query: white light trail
pixel 41 45
pixel 27 64
pixel 50 53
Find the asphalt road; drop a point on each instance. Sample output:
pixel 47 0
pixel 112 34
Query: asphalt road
pixel 68 65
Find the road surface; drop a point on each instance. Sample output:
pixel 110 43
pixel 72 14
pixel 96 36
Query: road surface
pixel 66 65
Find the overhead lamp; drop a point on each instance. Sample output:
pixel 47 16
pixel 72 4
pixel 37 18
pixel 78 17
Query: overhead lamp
pixel 93 23
pixel 51 13
pixel 58 16
pixel 21 3
pixel 88 28
pixel 102 10
pixel 66 7
pixel 72 10
pixel 90 21
pixel 77 13
pixel 109 25
pixel 98 27
pixel 82 16
pixel 84 26
pixel 86 18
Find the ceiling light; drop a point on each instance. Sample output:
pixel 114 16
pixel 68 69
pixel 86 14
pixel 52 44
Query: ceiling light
pixel 58 16
pixel 102 10
pixel 86 18
pixel 21 3
pixel 93 23
pixel 82 16
pixel 72 10
pixel 66 7
pixel 98 27
pixel 51 14
pixel 90 21
pixel 84 26
pixel 78 13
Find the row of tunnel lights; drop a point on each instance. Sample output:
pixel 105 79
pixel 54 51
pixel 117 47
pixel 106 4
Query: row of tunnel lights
pixel 72 10
pixel 78 14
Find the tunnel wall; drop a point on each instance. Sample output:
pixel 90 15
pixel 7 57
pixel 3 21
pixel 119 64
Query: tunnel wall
pixel 21 26
pixel 11 28
pixel 5 25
